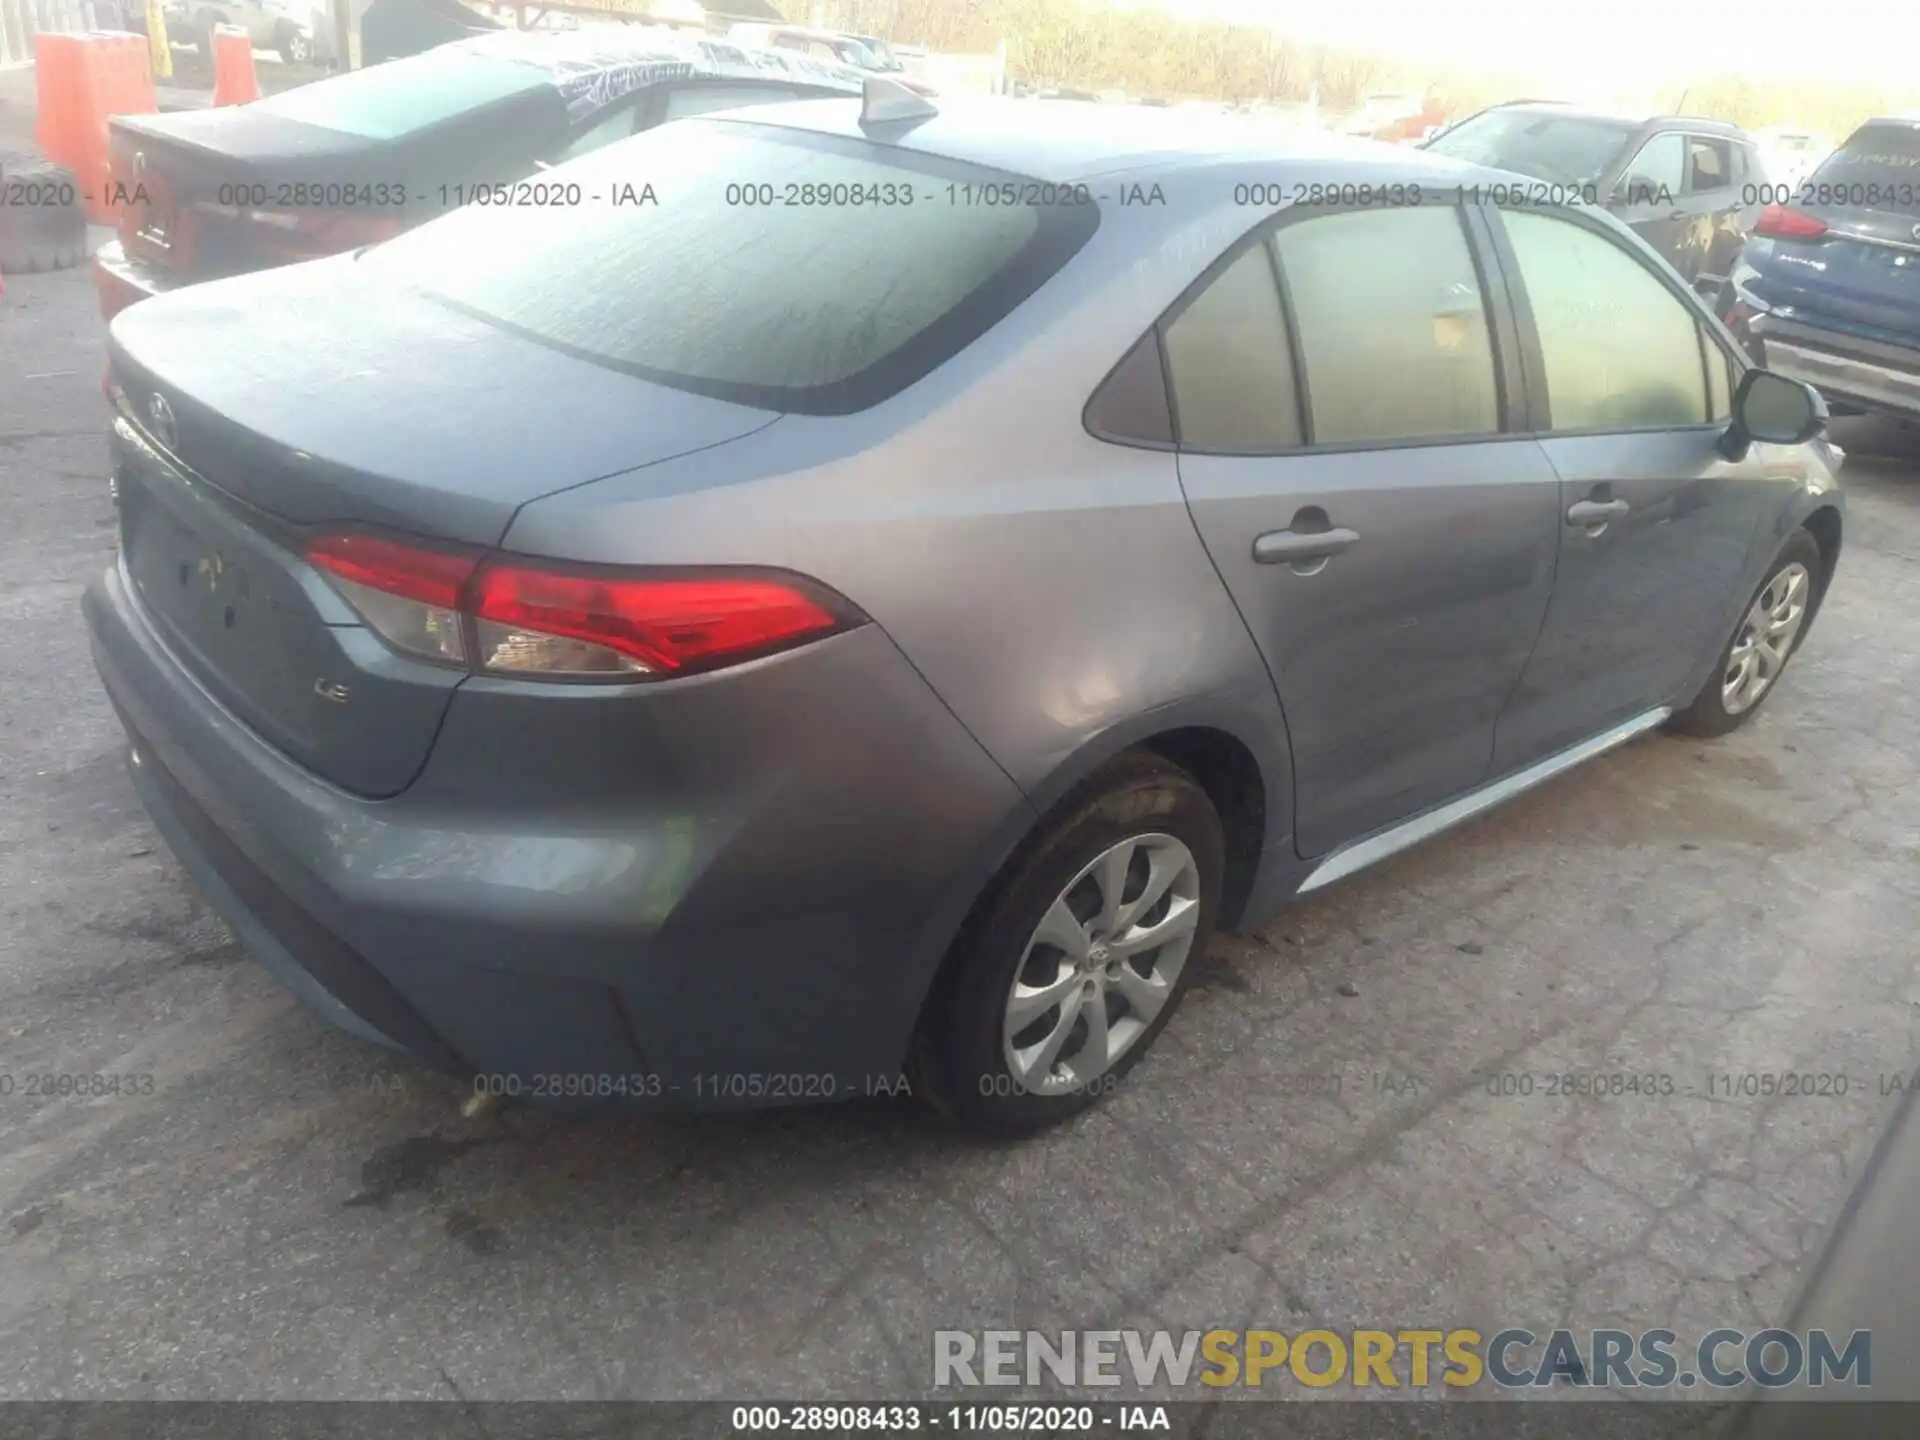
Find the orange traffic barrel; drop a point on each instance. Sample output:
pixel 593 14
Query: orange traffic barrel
pixel 234 82
pixel 81 81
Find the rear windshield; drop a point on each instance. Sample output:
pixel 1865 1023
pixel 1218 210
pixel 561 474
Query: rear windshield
pixel 387 101
pixel 763 265
pixel 1564 149
pixel 1878 169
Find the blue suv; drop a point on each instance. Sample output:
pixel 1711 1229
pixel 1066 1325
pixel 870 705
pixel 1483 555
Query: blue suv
pixel 1827 288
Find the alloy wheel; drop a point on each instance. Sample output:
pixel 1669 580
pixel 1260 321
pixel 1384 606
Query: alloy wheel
pixel 1101 964
pixel 1766 639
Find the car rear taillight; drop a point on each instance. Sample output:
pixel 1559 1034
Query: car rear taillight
pixel 510 616
pixel 1783 222
pixel 574 624
pixel 409 596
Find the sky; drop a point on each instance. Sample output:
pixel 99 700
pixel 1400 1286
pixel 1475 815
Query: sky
pixel 1869 42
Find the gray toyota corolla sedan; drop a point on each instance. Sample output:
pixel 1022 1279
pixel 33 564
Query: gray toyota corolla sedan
pixel 870 588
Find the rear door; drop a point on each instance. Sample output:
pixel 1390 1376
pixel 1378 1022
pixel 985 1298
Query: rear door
pixel 1709 206
pixel 1340 395
pixel 1654 524
pixel 1858 260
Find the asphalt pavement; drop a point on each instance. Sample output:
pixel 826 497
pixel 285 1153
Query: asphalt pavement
pixel 273 1210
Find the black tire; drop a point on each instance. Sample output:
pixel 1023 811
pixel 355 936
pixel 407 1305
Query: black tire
pixel 1708 715
pixel 43 225
pixel 293 46
pixel 960 1059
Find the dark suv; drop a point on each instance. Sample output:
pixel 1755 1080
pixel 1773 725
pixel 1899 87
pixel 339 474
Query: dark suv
pixel 1828 288
pixel 1690 188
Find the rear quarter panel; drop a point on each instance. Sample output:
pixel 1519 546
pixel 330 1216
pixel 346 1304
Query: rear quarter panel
pixel 1049 586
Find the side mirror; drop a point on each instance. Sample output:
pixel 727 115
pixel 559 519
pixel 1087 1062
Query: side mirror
pixel 1773 409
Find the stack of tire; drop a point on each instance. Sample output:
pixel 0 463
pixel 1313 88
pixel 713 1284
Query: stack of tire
pixel 43 224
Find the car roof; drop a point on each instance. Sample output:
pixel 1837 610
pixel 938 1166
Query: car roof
pixel 1614 117
pixel 1068 141
pixel 595 65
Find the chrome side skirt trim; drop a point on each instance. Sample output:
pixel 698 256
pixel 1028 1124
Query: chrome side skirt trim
pixel 1359 854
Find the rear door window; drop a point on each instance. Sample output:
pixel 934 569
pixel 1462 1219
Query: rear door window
pixel 1877 169
pixel 681 266
pixel 1392 326
pixel 1389 339
pixel 1231 368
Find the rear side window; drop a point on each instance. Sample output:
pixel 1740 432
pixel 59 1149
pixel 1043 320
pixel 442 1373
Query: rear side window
pixel 1392 326
pixel 1709 164
pixel 1621 351
pixel 1878 169
pixel 682 266
pixel 1232 375
pixel 388 101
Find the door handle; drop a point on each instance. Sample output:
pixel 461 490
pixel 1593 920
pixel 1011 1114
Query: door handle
pixel 1294 547
pixel 1596 512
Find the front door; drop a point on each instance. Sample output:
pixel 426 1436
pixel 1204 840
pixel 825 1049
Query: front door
pixel 1655 524
pixel 1338 401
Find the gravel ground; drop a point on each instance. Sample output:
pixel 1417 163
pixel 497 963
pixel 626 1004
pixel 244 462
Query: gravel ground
pixel 289 1214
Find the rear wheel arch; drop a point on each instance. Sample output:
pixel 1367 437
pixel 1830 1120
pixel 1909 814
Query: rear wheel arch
pixel 969 982
pixel 1247 781
pixel 1245 769
pixel 1227 770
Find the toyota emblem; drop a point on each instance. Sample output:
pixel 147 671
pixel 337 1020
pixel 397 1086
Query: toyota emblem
pixel 161 414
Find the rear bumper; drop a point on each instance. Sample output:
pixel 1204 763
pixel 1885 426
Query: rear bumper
pixel 769 940
pixel 1871 375
pixel 120 281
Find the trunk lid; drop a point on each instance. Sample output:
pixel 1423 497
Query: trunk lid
pixel 232 189
pixel 198 183
pixel 1864 270
pixel 315 397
